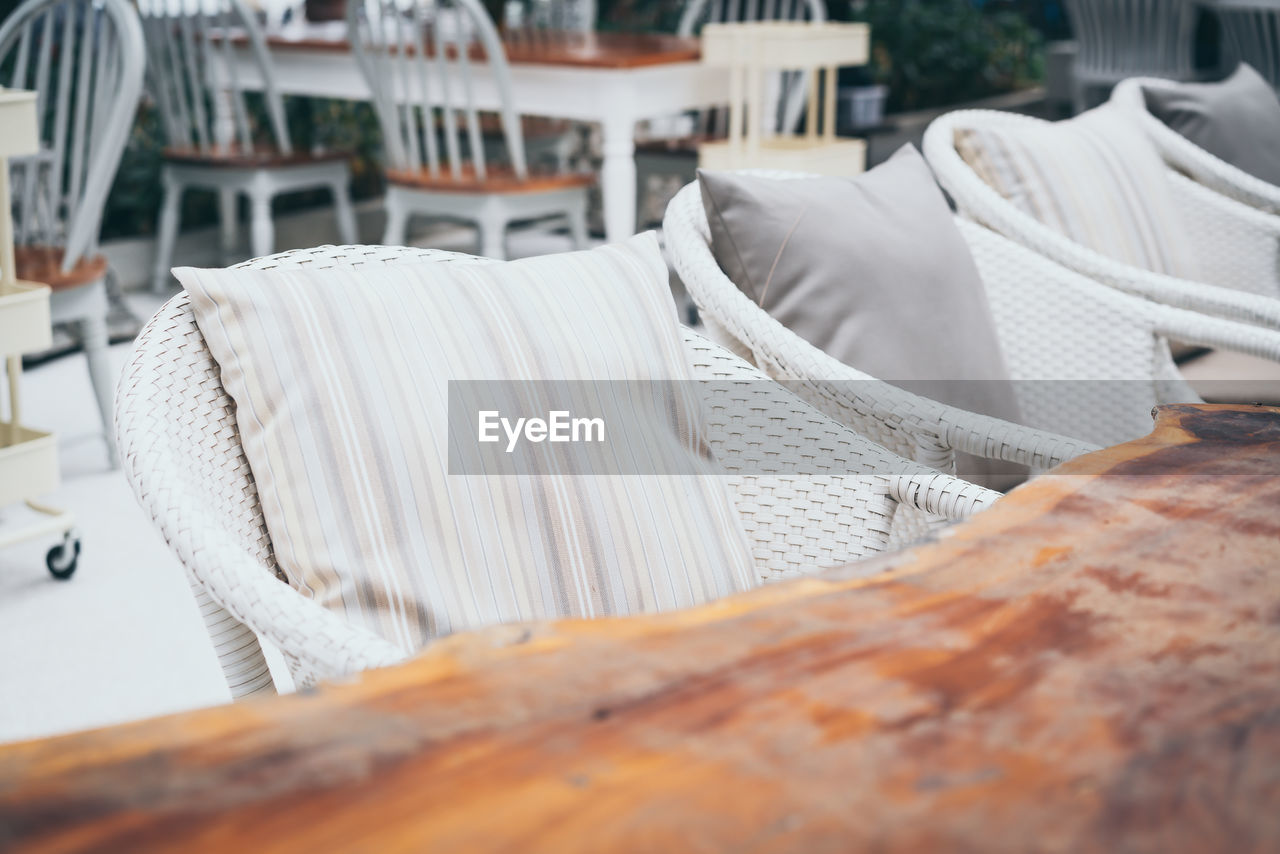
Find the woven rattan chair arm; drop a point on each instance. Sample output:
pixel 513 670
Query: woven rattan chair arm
pixel 978 201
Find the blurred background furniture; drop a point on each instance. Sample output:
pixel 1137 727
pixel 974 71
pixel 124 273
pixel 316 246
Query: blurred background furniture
pixel 211 142
pixel 451 177
pixel 668 158
pixel 84 60
pixel 1129 38
pixel 184 460
pixel 1250 33
pixel 28 458
pixel 758 52
pixel 615 79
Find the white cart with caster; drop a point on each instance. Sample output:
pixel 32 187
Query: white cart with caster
pixel 28 458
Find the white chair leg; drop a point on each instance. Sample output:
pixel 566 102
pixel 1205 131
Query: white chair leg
pixel 493 235
pixel 577 217
pixel 93 333
pixel 396 229
pixel 345 213
pixel 167 233
pixel 227 223
pixel 262 232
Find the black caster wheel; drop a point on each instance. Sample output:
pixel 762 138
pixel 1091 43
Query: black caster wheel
pixel 61 559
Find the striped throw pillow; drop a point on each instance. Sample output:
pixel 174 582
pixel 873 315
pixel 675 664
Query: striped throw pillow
pixel 1094 178
pixel 342 383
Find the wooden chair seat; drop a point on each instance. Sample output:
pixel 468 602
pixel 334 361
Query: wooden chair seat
pixel 258 158
pixel 43 264
pixel 498 180
pixel 682 145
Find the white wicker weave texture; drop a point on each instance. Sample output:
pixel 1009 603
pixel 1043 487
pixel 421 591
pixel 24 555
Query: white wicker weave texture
pixel 1186 157
pixel 906 423
pixel 810 492
pixel 1237 246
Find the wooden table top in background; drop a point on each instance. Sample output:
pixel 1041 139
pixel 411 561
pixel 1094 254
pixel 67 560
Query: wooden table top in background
pixel 616 50
pixel 1092 664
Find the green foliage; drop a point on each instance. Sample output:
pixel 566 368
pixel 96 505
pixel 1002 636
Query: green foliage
pixel 936 53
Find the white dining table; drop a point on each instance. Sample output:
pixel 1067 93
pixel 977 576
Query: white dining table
pixel 614 79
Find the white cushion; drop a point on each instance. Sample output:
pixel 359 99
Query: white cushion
pixel 1095 178
pixel 341 380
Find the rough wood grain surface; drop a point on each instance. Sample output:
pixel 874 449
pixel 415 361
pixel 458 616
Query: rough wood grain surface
pixel 1093 664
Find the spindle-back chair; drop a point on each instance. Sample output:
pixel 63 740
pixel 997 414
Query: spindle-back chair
pixel 423 62
pixel 668 160
pixel 84 60
pixel 1130 38
pixel 213 142
pixel 790 89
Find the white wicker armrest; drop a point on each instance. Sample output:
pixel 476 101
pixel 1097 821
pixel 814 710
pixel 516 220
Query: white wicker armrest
pixel 1187 157
pixel 1214 332
pixel 906 423
pixel 976 200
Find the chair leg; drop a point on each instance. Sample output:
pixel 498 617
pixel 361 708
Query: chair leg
pixel 227 221
pixel 167 233
pixel 493 235
pixel 396 231
pixel 577 217
pixel 93 333
pixel 345 213
pixel 262 233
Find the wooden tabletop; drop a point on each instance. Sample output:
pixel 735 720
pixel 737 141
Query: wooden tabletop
pixel 589 50
pixel 1093 664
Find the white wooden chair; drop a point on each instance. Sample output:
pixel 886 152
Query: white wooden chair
pixel 184 39
pixel 668 159
pixel 1126 38
pixel 1250 33
pixel 556 16
pixel 84 60
pixel 1237 247
pixel 1087 362
pixel 1187 158
pixel 421 75
pixel 809 492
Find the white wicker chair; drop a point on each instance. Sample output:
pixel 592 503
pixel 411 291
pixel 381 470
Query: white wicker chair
pixel 810 493
pixel 1087 361
pixel 1237 246
pixel 1188 158
pixel 1120 38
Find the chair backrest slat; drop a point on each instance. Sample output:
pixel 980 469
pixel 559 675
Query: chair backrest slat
pixel 425 113
pixel 192 45
pixel 792 87
pixel 190 53
pixel 406 108
pixel 85 57
pixel 240 114
pixel 410 56
pixel 80 135
pixel 469 104
pixel 446 99
pixel 62 112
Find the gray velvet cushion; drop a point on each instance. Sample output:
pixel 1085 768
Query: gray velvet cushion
pixel 1236 120
pixel 870 269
